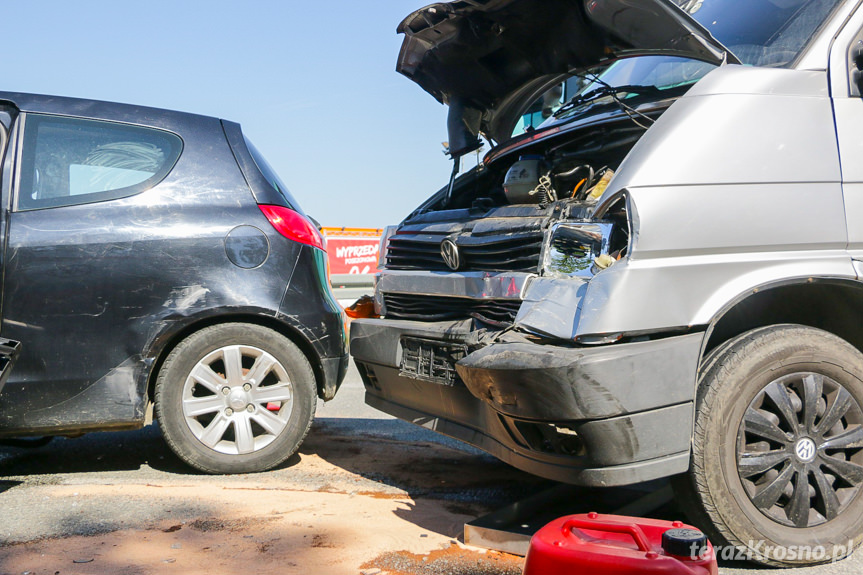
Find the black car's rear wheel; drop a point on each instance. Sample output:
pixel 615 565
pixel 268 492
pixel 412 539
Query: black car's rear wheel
pixel 777 469
pixel 235 398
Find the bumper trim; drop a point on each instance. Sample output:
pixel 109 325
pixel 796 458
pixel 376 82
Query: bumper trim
pixel 600 476
pixel 477 285
pixel 544 382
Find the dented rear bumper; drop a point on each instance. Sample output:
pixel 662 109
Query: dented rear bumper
pixel 610 415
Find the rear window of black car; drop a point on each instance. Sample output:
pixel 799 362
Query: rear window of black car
pixel 269 173
pixel 71 161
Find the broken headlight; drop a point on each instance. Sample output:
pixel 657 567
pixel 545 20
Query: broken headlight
pixel 578 249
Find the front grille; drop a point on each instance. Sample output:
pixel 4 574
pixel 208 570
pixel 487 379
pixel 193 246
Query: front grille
pixel 517 252
pixel 440 308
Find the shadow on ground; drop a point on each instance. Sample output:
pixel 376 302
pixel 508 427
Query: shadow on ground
pixel 100 452
pixel 419 462
pixel 95 452
pixel 7 485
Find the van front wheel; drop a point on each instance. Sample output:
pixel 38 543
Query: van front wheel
pixel 777 457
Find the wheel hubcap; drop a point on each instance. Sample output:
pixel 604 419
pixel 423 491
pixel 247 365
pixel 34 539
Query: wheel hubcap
pixel 237 399
pixel 805 450
pixel 800 449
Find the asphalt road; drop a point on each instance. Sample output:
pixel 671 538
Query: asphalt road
pixel 435 472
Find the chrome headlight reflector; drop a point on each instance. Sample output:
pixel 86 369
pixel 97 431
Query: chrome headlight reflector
pixel 573 248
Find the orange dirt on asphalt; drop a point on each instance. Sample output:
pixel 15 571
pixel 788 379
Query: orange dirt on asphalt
pixel 259 532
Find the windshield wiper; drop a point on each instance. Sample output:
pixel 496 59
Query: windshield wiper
pixel 605 90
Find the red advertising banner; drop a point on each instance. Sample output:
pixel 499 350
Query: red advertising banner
pixel 352 250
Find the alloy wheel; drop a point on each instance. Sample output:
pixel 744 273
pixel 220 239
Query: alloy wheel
pixel 800 449
pixel 237 399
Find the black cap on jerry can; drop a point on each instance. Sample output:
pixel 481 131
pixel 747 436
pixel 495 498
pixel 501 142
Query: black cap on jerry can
pixel 683 542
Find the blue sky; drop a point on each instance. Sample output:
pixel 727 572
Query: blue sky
pixel 312 83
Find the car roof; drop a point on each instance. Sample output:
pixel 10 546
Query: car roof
pixel 98 109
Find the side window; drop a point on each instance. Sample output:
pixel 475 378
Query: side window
pixel 70 161
pixel 855 66
pixel 550 101
pixel 541 109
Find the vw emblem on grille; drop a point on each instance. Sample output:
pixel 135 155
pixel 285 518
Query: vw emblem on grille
pixel 450 254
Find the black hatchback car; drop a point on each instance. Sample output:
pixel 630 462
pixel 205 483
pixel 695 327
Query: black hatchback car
pixel 153 262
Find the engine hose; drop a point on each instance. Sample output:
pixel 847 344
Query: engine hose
pixel 575 170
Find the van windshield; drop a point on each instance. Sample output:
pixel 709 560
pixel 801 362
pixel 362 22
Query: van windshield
pixel 769 33
pixel 581 92
pixel 761 32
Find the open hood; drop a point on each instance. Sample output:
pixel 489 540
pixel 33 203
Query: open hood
pixel 485 57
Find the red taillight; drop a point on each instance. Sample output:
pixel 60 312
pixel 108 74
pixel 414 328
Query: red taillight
pixel 293 226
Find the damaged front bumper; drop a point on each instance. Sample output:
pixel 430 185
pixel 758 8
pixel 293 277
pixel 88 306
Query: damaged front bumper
pixel 610 415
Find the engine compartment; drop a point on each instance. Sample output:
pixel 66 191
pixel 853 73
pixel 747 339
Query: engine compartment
pixel 544 167
pixel 500 214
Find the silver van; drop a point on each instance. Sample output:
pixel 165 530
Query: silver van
pixel 657 270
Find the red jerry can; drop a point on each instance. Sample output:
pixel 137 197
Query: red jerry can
pixel 593 544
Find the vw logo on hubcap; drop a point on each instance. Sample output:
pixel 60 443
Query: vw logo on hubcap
pixel 805 450
pixel 450 254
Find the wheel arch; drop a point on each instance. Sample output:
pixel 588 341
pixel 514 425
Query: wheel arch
pixel 829 304
pixel 164 343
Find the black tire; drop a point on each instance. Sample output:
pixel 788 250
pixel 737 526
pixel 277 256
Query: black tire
pixel 201 417
pixel 739 462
